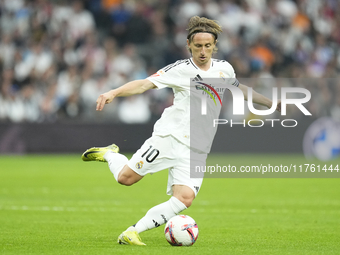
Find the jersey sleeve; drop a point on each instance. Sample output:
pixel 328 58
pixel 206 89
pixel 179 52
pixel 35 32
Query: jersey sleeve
pixel 168 76
pixel 233 81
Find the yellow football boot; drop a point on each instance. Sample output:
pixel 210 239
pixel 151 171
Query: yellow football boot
pixel 130 236
pixel 97 153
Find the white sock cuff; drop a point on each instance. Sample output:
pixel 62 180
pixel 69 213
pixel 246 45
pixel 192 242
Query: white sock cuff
pixel 113 155
pixel 116 162
pixel 177 205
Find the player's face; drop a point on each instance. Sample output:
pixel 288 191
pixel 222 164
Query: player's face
pixel 202 46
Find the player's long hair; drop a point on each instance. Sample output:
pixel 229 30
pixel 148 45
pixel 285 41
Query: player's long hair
pixel 200 24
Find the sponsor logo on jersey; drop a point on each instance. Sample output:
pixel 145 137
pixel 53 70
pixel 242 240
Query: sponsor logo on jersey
pixel 207 88
pixel 139 165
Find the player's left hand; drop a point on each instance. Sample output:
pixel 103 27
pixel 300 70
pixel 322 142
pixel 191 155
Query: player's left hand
pixel 103 99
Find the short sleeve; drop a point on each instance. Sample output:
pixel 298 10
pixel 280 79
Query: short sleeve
pixel 232 81
pixel 168 76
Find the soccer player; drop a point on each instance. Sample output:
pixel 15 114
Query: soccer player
pixel 169 146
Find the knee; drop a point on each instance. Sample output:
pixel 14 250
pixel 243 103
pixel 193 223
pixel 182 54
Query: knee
pixel 186 200
pixel 125 180
pixel 184 194
pixel 128 177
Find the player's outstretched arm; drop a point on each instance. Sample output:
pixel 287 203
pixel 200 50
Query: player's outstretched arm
pixel 259 98
pixel 128 89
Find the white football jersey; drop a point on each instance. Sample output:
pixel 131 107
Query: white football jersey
pixel 176 119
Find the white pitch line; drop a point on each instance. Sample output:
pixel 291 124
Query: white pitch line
pixel 125 209
pixel 63 208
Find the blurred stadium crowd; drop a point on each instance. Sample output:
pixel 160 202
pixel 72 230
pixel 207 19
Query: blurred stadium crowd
pixel 56 57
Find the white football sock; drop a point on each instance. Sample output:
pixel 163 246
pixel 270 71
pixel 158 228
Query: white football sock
pixel 160 214
pixel 116 162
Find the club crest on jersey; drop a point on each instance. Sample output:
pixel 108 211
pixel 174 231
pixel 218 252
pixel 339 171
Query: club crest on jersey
pixel 222 76
pixel 139 165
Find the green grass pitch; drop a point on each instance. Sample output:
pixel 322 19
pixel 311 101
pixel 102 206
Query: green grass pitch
pixel 61 205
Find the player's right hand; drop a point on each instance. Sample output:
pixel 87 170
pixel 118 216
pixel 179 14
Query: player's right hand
pixel 103 99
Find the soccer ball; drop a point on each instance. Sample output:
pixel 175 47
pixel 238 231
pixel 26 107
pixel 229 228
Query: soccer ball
pixel 327 144
pixel 322 139
pixel 181 230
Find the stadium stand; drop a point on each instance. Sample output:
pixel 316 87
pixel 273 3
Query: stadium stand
pixel 57 56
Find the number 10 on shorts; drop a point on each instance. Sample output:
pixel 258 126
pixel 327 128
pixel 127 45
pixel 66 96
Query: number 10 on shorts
pixel 151 154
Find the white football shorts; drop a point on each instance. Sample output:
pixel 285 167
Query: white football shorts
pixel 159 153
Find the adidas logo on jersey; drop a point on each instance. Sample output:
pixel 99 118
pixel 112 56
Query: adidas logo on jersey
pixel 197 78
